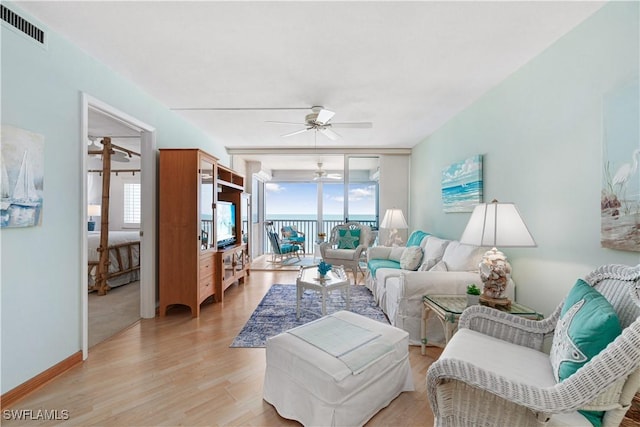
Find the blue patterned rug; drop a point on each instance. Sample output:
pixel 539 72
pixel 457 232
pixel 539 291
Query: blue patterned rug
pixel 276 312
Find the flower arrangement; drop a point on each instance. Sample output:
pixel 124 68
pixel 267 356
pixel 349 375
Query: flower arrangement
pixel 321 237
pixel 323 268
pixel 472 289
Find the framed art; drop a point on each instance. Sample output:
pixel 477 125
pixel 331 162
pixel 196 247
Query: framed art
pixel 462 185
pixel 22 159
pixel 620 194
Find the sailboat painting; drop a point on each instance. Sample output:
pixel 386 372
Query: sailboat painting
pixel 22 159
pixel 462 185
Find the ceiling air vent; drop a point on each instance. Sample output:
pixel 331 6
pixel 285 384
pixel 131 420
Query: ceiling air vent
pixel 18 22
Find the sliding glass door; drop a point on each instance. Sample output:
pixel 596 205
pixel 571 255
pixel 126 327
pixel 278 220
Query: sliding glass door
pixel 361 189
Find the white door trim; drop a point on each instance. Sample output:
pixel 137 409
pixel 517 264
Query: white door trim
pixel 148 245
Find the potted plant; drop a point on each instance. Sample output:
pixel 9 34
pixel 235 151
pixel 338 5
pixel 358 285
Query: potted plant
pixel 473 294
pixel 321 237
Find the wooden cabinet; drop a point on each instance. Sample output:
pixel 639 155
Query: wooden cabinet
pixel 193 190
pixel 232 262
pixel 232 265
pixel 186 228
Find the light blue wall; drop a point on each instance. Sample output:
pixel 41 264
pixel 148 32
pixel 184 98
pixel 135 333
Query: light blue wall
pixel 40 278
pixel 540 132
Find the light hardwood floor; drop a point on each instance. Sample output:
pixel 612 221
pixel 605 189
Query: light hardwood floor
pixel 180 371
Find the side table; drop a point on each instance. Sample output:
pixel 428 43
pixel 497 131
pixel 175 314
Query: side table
pixel 336 279
pixel 448 308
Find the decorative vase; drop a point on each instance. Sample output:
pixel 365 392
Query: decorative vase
pixel 472 300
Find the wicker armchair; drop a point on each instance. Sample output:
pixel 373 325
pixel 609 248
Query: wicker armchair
pixel 467 391
pixel 333 253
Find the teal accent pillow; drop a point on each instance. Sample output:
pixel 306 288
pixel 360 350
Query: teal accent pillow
pixel 588 323
pixel 348 239
pixel 416 237
pixel 289 231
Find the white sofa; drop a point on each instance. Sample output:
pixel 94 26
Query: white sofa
pixel 447 267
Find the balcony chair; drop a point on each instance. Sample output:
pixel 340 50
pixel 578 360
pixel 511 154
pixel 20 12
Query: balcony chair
pixel 493 371
pixel 290 234
pixel 279 249
pixel 347 245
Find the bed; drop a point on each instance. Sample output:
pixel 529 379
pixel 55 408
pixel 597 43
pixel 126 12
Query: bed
pixel 124 258
pixel 120 263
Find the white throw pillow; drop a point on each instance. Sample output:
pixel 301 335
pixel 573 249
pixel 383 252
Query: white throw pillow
pixel 396 253
pixel 440 266
pixel 433 251
pixel 411 258
pixel 461 257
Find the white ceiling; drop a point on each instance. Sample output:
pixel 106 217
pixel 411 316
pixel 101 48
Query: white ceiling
pixel 408 67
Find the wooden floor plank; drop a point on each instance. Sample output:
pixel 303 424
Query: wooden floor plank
pixel 176 370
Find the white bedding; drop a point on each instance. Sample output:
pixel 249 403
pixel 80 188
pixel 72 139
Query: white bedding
pixel 115 238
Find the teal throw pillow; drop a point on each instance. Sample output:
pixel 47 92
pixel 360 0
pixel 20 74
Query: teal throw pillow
pixel 588 323
pixel 348 239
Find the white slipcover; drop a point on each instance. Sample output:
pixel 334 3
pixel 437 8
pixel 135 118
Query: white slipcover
pixel 309 385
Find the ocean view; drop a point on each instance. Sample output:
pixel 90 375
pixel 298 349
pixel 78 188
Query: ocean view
pixel 311 217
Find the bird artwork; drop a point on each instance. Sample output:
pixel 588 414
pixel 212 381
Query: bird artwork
pixel 627 170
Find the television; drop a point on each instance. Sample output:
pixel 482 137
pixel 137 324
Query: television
pixel 225 224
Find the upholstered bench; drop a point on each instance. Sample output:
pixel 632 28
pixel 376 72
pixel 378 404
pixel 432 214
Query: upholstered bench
pixel 336 371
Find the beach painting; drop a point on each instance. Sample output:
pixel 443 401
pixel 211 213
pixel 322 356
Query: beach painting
pixel 620 194
pixel 462 185
pixel 22 163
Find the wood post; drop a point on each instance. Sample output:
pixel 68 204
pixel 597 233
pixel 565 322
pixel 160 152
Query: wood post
pixel 103 250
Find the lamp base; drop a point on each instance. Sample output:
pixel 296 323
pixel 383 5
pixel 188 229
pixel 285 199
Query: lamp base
pixel 495 271
pixel 495 302
pixel 91 225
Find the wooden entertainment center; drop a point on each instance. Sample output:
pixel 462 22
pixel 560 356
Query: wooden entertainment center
pixel 202 206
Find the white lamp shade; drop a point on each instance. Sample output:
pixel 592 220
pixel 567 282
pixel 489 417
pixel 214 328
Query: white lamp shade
pixel 497 224
pixel 393 218
pixel 94 210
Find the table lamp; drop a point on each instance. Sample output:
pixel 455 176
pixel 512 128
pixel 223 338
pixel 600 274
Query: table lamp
pixel 93 210
pixel 394 220
pixel 496 224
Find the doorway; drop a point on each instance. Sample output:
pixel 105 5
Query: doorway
pixel 127 133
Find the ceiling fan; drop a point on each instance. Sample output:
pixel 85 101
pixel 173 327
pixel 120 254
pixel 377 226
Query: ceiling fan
pixel 319 120
pixel 320 174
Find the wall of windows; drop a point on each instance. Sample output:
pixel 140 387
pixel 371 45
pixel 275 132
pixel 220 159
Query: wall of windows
pixel 318 205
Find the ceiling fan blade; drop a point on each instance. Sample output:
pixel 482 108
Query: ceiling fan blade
pixel 324 116
pixel 361 125
pixel 329 133
pixel 296 132
pixel 285 123
pixel 334 176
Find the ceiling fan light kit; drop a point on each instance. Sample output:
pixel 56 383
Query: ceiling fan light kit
pixel 321 174
pixel 319 120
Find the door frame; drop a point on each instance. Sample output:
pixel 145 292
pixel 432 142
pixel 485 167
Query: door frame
pixel 148 246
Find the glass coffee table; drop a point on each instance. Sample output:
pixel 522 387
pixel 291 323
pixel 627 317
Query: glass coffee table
pixel 336 279
pixel 448 308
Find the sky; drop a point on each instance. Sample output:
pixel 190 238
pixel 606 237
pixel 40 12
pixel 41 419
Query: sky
pixel 301 198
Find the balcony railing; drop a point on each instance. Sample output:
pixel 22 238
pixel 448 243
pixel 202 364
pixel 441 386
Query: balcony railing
pixel 309 228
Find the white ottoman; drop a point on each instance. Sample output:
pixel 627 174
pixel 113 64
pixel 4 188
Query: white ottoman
pixel 307 383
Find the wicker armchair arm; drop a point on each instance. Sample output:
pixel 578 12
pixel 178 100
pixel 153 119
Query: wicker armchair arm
pixel 359 251
pixel 323 247
pixel 616 362
pixel 509 327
